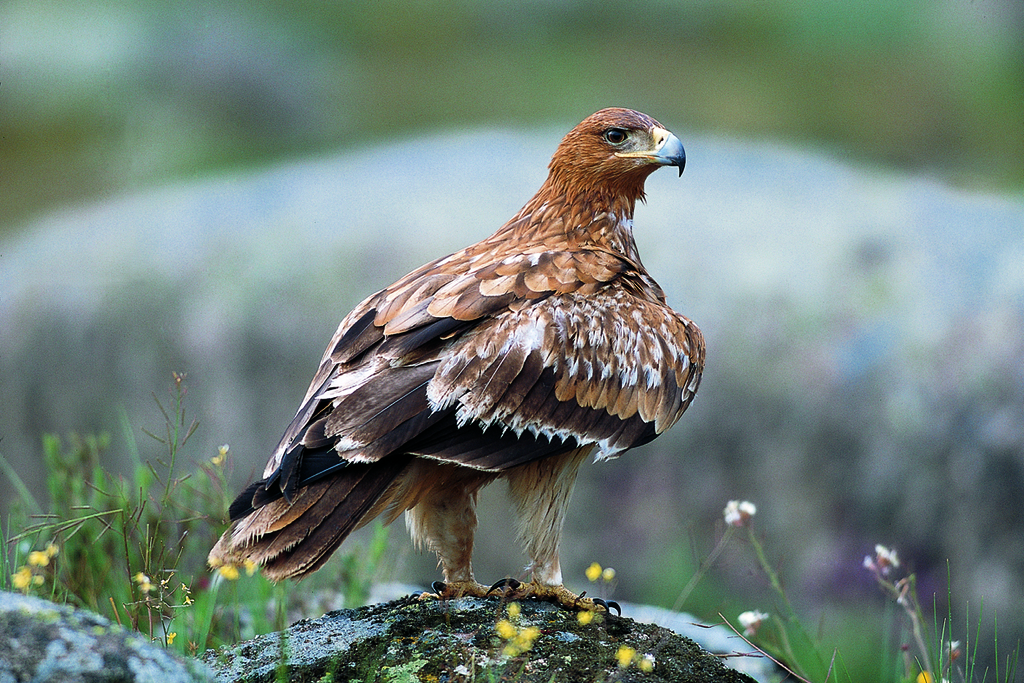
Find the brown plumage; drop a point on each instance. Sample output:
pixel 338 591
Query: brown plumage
pixel 514 358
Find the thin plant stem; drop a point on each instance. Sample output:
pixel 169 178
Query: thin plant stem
pixel 703 568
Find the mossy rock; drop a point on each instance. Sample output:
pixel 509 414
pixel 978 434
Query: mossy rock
pixel 414 641
pixel 47 643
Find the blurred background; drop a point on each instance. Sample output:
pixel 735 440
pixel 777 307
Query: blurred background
pixel 101 97
pixel 209 187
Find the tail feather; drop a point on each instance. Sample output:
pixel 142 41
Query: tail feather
pixel 292 540
pixel 276 515
pixel 342 502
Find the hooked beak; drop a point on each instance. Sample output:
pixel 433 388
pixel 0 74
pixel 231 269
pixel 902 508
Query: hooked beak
pixel 668 150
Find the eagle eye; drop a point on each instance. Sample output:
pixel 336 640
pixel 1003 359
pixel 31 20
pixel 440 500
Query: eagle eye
pixel 615 136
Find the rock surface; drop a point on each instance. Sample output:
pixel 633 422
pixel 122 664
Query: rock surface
pixel 47 643
pixel 412 640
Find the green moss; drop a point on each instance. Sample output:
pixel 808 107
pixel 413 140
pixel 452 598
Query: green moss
pixel 413 641
pixel 403 673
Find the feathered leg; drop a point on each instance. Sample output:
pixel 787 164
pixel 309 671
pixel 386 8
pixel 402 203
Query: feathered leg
pixel 541 492
pixel 444 520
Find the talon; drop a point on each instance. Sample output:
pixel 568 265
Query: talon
pixel 448 590
pixel 507 582
pixel 608 606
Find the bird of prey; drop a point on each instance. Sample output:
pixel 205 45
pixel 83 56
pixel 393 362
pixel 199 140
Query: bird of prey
pixel 514 358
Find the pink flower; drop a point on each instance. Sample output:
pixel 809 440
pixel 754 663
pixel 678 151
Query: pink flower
pixel 739 513
pixel 751 621
pixel 883 562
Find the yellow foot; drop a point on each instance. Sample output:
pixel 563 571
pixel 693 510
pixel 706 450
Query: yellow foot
pixel 560 595
pixel 456 589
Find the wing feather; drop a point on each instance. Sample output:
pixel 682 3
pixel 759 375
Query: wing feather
pixel 530 410
pixel 378 407
pixel 574 380
pixel 356 339
pixel 571 371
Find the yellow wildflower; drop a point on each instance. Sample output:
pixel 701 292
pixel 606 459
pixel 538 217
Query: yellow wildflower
pixel 924 677
pixel 593 571
pixel 625 656
pixel 528 635
pixel 517 641
pixel 505 629
pixel 608 575
pixel 646 663
pixel 514 610
pixel 250 567
pixel 145 585
pixel 222 454
pixel 22 578
pixel 38 558
pixel 522 641
pixel 585 617
pixel 229 572
pixel 170 637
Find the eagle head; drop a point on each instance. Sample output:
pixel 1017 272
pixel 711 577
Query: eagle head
pixel 612 152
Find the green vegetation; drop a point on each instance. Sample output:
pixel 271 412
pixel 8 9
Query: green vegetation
pixel 928 649
pixel 134 549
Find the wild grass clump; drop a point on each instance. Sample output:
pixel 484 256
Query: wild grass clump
pixel 927 653
pixel 133 548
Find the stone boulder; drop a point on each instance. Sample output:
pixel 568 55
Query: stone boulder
pixel 469 640
pixel 44 642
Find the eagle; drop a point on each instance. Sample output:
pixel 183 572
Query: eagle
pixel 515 358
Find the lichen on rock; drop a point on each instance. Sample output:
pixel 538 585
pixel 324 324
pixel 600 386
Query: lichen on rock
pixel 48 643
pixel 469 639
